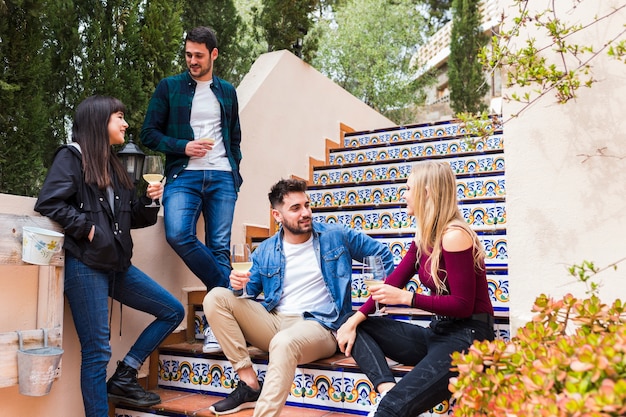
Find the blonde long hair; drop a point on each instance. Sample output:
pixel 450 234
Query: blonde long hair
pixel 433 185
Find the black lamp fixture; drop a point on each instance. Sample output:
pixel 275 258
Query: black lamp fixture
pixel 132 158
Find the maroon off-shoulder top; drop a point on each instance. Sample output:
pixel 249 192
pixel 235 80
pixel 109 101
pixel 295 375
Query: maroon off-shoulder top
pixel 467 286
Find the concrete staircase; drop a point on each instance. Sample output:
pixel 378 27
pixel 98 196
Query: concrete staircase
pixel 360 185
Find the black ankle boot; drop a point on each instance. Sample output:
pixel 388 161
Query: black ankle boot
pixel 124 388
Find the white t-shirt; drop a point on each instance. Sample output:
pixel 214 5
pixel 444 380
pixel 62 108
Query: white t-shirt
pixel 304 288
pixel 206 123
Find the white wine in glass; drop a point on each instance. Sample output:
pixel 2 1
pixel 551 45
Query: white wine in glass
pixel 153 172
pixel 374 274
pixel 207 133
pixel 241 262
pixel 203 133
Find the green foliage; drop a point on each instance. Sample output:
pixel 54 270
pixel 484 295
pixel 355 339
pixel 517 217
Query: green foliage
pixel 56 53
pixel 438 13
pixel 235 53
pixel 367 50
pixel 529 66
pixel 285 23
pixel 161 42
pixel 24 127
pixel 477 128
pixel 570 360
pixel 468 86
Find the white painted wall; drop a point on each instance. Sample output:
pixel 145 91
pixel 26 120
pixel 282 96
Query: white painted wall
pixel 563 208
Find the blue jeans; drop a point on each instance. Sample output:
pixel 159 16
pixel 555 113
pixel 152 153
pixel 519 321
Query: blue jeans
pixel 88 292
pixel 213 194
pixel 427 349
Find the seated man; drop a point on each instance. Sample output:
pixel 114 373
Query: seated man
pixel 305 273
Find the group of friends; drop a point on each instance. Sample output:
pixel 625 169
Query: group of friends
pixel 304 270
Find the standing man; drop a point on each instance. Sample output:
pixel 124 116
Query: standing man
pixel 193 118
pixel 305 272
pixel 202 176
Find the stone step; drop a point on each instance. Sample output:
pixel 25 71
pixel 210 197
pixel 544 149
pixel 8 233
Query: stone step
pixel 182 404
pixel 332 384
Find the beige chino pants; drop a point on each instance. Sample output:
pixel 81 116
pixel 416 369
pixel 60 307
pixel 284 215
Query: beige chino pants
pixel 290 340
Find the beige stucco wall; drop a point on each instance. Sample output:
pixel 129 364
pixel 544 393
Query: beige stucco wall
pixel 18 287
pixel 563 208
pixel 288 109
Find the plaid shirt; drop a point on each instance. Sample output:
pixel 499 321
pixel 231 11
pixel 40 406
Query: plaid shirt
pixel 167 127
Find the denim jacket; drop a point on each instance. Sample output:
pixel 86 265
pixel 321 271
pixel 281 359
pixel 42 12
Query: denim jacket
pixel 335 247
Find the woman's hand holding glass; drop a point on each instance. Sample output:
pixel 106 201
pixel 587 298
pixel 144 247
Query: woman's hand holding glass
pixel 374 275
pixel 153 175
pixel 155 191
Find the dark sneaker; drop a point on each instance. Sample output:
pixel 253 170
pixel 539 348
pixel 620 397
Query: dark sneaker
pixel 241 398
pixel 123 388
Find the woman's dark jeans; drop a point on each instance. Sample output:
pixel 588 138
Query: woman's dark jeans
pixel 427 349
pixel 88 292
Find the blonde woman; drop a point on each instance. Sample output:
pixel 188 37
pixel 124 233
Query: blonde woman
pixel 449 260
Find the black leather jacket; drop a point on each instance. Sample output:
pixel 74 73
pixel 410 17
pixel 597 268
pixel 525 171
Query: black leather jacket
pixel 76 206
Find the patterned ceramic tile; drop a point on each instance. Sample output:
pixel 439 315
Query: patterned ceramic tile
pixel 358 392
pixel 200 374
pixel 440 130
pixel 481 216
pixel 498 284
pixel 469 188
pixel 452 147
pixel 474 164
pixel 319 388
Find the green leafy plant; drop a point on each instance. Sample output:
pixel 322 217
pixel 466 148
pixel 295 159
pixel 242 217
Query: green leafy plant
pixel 562 66
pixel 569 360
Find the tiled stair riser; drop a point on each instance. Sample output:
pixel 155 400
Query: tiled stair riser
pixel 484 187
pixel 482 216
pixel 494 244
pixel 475 164
pixel 415 150
pixel 339 389
pixel 439 130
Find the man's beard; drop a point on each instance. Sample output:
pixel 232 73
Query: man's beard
pixel 296 229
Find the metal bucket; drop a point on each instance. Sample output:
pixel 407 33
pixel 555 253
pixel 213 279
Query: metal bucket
pixel 37 367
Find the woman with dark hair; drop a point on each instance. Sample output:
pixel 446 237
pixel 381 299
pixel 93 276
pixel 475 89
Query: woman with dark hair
pixel 90 194
pixel 449 260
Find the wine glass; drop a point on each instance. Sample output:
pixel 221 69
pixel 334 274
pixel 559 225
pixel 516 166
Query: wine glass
pixel 373 273
pixel 240 260
pixel 153 172
pixel 206 133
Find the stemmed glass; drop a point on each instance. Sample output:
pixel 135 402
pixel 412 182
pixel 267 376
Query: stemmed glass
pixel 153 172
pixel 207 133
pixel 373 273
pixel 204 133
pixel 240 260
